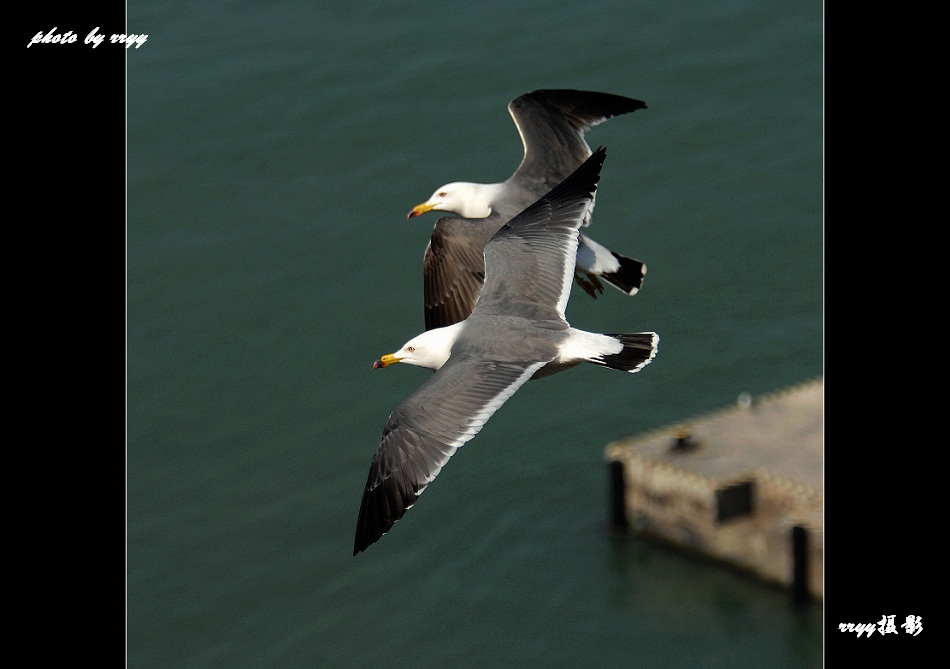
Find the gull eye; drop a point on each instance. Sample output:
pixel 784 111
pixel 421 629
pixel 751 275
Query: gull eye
pixel 411 349
pixel 443 194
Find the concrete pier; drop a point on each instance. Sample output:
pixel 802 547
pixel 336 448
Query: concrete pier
pixel 743 485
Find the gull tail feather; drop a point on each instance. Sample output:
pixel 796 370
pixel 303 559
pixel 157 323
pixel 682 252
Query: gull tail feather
pixel 638 351
pixel 629 278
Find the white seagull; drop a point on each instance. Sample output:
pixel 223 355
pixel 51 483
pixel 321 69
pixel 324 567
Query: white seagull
pixel 517 331
pixel 552 124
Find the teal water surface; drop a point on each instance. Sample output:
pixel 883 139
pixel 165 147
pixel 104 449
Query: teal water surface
pixel 274 150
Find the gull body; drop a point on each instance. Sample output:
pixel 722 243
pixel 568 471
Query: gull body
pixel 552 125
pixel 517 331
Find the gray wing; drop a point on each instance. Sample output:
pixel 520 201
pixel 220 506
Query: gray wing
pixel 552 124
pixel 453 268
pixel 425 430
pixel 529 263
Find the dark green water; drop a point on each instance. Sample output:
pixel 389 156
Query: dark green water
pixel 273 152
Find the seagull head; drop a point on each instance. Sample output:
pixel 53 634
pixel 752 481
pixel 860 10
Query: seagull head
pixel 430 349
pixel 466 199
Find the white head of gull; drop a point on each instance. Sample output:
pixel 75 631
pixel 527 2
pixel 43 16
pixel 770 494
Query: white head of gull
pixel 517 331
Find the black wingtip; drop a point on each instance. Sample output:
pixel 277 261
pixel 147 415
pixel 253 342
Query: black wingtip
pixel 583 179
pixel 586 106
pixel 371 524
pixel 385 500
pixel 365 538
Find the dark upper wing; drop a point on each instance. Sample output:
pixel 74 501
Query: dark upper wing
pixel 453 268
pixel 552 123
pixel 529 263
pixel 425 430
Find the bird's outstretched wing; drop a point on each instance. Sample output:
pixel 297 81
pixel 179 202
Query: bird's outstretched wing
pixel 425 430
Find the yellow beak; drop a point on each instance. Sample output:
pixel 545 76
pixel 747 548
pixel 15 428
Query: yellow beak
pixel 419 209
pixel 386 361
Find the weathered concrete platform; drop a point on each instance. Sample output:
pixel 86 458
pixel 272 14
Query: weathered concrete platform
pixel 743 485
